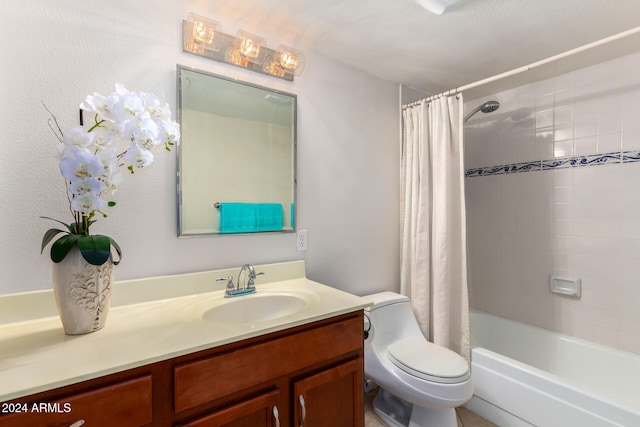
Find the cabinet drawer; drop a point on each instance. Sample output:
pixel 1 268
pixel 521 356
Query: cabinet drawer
pixel 209 379
pixel 127 403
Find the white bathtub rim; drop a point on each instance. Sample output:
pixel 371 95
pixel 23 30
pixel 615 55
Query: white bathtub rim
pixel 520 371
pixel 624 356
pixel 561 336
pixel 593 409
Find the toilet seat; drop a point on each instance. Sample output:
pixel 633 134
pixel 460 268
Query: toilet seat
pixel 428 361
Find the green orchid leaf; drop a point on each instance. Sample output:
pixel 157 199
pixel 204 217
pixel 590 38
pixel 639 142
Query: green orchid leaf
pixel 118 250
pixel 48 236
pixel 63 223
pixel 62 246
pixel 95 250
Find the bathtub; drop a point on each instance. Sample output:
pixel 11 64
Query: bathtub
pixel 524 376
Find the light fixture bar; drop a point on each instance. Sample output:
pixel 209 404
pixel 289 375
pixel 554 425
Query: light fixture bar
pixel 236 51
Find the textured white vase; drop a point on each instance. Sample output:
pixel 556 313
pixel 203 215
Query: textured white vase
pixel 82 292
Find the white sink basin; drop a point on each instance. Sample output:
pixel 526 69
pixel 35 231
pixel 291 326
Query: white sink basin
pixel 255 308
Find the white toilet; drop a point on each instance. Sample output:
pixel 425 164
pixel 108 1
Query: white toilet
pixel 420 383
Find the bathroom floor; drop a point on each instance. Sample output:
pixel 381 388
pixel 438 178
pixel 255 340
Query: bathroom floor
pixel 466 418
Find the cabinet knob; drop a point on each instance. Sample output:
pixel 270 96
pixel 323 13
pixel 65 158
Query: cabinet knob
pixel 276 415
pixel 304 410
pixel 77 423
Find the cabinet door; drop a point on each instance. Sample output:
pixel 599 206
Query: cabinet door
pixel 331 398
pixel 260 411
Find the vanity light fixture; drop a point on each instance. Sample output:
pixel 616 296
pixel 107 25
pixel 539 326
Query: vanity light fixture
pixel 250 46
pixel 204 37
pixel 290 59
pixel 206 34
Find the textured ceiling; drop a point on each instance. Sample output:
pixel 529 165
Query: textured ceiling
pixel 401 42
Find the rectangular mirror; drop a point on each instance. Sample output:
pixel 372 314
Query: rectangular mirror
pixel 236 157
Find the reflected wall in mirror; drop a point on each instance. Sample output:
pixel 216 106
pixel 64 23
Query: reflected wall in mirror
pixel 236 158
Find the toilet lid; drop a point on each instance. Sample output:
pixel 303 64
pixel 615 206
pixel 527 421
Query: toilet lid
pixel 428 361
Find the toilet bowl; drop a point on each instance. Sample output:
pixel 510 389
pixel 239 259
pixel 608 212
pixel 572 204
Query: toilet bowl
pixel 421 383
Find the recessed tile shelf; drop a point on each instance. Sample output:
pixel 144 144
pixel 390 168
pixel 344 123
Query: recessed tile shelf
pixel 559 163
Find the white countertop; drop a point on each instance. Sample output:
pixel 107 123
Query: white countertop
pixel 36 355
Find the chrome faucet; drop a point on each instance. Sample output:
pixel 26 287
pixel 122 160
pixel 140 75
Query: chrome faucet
pixel 248 287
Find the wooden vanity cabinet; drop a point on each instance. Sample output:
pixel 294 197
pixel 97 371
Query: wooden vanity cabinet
pixel 316 375
pixel 311 372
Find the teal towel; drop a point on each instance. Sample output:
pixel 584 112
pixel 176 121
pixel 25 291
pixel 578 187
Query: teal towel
pixel 237 218
pixel 250 217
pixel 293 214
pixel 269 216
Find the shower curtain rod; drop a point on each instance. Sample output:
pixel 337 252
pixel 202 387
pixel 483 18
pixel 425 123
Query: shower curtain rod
pixel 527 67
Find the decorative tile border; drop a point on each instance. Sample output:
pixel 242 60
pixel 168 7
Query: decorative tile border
pixel 559 163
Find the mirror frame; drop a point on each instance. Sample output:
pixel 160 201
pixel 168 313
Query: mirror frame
pixel 181 233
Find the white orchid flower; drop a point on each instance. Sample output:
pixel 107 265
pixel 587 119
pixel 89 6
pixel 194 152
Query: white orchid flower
pixel 125 128
pixel 128 107
pixel 78 136
pixel 120 89
pixel 104 135
pixel 157 109
pixel 112 181
pixel 87 203
pixel 145 133
pixel 86 186
pixel 80 163
pixel 101 105
pixel 138 156
pixel 170 131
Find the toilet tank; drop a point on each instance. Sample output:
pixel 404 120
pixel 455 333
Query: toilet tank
pixel 391 318
pixel 385 298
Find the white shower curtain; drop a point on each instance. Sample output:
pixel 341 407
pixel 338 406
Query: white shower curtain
pixel 434 260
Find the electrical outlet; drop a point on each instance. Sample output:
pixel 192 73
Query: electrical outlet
pixel 301 240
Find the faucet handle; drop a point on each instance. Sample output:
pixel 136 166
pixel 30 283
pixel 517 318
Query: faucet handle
pixel 229 280
pixel 250 283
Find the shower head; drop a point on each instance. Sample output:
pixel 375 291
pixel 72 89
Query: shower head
pixel 487 107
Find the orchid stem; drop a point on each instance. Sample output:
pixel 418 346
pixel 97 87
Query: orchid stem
pixel 98 123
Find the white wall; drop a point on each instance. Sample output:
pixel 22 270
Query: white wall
pixel 579 222
pixel 409 94
pixel 59 51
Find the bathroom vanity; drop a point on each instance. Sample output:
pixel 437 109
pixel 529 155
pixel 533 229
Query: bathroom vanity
pixel 166 363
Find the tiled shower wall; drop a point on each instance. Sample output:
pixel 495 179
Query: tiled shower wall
pixel 553 188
